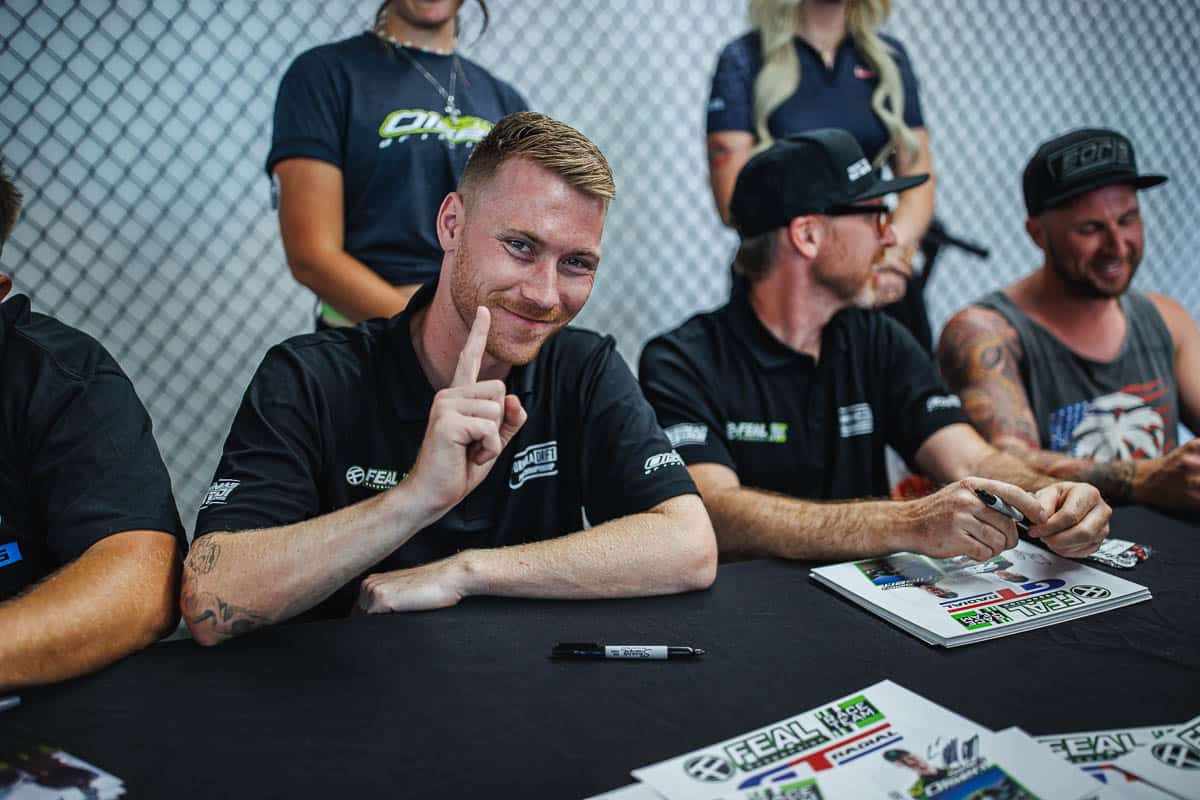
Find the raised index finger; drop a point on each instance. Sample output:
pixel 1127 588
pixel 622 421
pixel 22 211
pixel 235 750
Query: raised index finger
pixel 471 357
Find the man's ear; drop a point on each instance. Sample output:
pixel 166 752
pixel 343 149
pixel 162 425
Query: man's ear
pixel 1033 226
pixel 450 221
pixel 805 234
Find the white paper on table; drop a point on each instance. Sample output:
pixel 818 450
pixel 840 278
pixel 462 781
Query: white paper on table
pixel 807 745
pixel 953 601
pixel 1173 763
pixel 950 764
pixel 1104 754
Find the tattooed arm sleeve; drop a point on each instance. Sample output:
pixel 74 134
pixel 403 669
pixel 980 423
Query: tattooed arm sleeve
pixel 980 358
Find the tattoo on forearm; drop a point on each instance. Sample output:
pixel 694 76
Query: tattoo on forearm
pixel 204 556
pixel 1114 479
pixel 224 618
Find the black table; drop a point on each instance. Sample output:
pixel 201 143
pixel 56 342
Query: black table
pixel 464 702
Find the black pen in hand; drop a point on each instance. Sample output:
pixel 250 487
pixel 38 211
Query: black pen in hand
pixel 996 504
pixel 646 652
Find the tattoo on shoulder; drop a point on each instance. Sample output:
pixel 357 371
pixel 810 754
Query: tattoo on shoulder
pixel 979 355
pixel 204 556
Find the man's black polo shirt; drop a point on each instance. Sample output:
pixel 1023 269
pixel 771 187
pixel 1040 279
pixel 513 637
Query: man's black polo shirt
pixel 335 417
pixel 78 461
pixel 728 392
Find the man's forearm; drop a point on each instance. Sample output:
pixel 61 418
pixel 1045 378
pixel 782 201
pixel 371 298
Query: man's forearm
pixel 1004 466
pixel 236 582
pixel 1114 479
pixel 118 597
pixel 668 550
pixel 751 523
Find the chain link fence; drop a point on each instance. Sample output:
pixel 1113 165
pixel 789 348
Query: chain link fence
pixel 137 132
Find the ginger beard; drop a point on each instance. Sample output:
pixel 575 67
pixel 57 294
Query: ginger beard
pixel 855 286
pixel 509 341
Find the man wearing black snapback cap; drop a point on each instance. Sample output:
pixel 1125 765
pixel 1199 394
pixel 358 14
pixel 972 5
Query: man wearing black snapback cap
pixel 1069 368
pixel 788 394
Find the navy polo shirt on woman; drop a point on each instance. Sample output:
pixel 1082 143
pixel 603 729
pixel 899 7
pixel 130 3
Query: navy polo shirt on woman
pixel 336 417
pixel 728 392
pixel 78 460
pixel 837 97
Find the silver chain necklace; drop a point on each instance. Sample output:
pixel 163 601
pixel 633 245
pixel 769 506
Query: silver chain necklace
pixel 452 109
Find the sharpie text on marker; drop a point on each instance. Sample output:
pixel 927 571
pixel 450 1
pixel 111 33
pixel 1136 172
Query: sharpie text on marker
pixel 637 652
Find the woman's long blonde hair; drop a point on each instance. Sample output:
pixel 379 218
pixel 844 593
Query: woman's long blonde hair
pixel 775 21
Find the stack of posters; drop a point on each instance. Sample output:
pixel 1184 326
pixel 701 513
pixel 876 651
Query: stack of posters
pixel 1172 763
pixel 882 742
pixel 1105 756
pixel 44 773
pixel 957 601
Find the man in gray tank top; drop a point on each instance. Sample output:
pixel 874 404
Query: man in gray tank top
pixel 1069 368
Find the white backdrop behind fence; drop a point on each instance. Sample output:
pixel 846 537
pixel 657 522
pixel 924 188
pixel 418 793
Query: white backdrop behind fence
pixel 138 131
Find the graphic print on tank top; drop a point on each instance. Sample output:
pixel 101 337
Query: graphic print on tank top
pixel 1121 426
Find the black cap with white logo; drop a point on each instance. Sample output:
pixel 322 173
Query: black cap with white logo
pixel 1079 162
pixel 809 173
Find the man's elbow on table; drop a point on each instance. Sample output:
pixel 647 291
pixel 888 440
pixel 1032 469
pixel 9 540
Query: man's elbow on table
pixel 208 618
pixel 698 543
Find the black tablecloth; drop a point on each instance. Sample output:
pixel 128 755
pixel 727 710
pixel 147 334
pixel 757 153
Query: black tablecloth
pixel 465 703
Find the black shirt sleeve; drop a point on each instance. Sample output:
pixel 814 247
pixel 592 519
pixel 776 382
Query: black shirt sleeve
pixel 268 472
pixel 97 470
pixel 629 466
pixel 310 113
pixel 691 415
pixel 917 403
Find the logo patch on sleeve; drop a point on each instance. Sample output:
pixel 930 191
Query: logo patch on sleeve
pixel 687 433
pixel 660 460
pixel 942 401
pixel 219 492
pixel 9 554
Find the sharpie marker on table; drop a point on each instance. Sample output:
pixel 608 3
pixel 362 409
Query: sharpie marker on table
pixel 996 504
pixel 643 652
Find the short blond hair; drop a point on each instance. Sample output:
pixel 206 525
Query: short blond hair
pixel 547 142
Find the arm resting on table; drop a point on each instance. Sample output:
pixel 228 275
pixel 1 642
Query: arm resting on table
pixel 665 550
pixel 118 597
pixel 234 582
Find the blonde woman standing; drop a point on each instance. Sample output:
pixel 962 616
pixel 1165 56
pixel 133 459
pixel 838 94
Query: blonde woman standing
pixel 823 64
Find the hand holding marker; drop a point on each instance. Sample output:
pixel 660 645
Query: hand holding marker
pixel 996 504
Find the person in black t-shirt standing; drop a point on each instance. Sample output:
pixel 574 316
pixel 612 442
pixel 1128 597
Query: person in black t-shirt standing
pixel 451 450
pixel 370 134
pixel 90 538
pixel 789 394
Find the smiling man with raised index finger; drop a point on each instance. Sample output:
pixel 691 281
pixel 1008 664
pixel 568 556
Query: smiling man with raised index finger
pixel 451 450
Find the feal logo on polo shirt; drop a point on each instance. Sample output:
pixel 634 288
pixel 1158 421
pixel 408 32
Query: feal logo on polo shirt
pixel 769 432
pixel 374 477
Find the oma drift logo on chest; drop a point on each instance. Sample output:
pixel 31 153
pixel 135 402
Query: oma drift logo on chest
pixel 535 461
pixel 373 478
